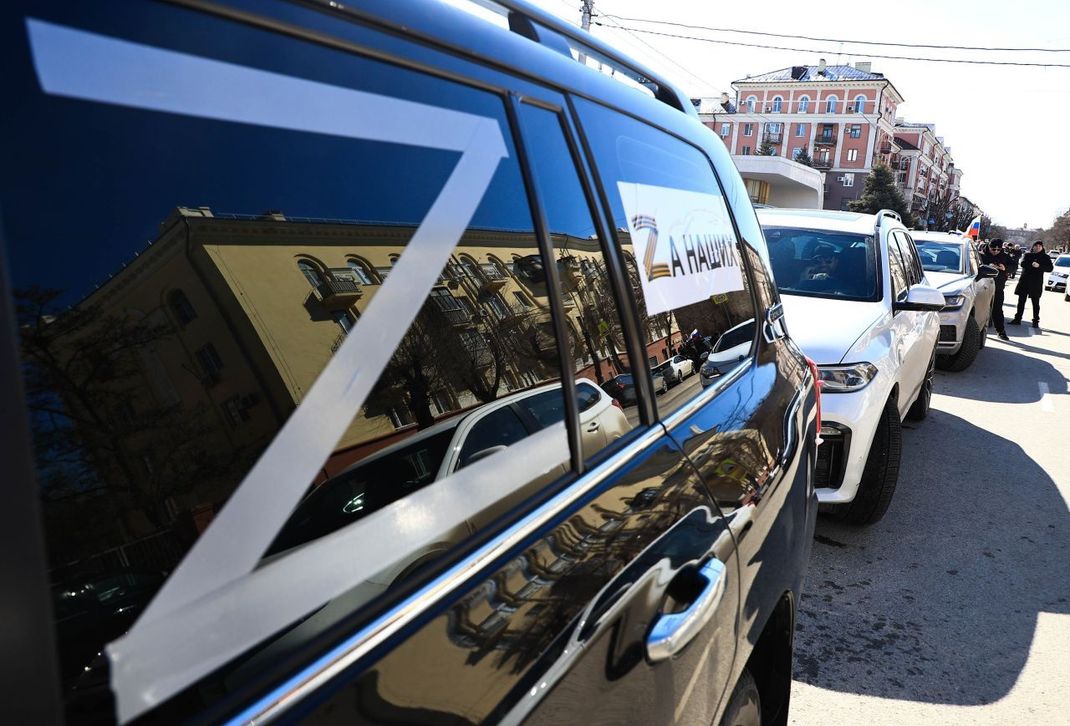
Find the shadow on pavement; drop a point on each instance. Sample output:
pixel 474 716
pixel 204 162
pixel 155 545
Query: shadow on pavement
pixel 1004 376
pixel 938 602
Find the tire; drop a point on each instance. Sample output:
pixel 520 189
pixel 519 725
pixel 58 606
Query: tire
pixel 961 359
pixel 745 704
pixel 881 473
pixel 920 408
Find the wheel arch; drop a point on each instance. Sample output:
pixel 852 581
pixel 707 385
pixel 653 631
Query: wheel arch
pixel 770 661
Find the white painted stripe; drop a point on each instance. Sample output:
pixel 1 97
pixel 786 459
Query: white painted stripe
pixel 212 608
pixel 1046 404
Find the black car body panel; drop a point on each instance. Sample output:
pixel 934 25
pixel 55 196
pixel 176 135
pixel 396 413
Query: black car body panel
pixel 541 611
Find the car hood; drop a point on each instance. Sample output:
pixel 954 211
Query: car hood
pixel 948 282
pixel 826 329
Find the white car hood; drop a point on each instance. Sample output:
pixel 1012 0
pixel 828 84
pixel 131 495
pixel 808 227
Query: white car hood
pixel 947 282
pixel 826 329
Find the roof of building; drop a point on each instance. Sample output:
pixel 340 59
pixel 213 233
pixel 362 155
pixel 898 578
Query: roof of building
pixel 808 74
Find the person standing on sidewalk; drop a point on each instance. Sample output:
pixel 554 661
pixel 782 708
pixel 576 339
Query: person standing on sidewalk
pixel 999 259
pixel 1035 264
pixel 1015 253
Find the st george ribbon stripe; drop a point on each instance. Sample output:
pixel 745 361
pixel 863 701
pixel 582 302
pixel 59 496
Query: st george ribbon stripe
pixel 214 606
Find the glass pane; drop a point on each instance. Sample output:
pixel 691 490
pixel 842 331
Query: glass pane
pixel 820 263
pixel 209 278
pixel 683 258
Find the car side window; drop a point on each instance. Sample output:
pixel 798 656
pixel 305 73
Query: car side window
pixel 911 260
pixel 299 351
pixel 897 270
pixel 683 256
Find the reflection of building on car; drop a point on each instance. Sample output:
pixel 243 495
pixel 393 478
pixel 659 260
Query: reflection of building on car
pixel 728 351
pixel 873 335
pixel 953 267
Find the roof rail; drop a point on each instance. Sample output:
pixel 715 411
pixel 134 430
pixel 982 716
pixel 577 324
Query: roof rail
pixel 887 213
pixel 664 91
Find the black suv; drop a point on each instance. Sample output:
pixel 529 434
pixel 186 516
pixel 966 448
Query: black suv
pixel 312 307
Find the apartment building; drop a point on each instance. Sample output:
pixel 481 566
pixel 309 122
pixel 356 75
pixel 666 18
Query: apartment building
pixel 844 118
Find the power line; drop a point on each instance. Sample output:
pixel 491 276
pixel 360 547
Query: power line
pixel 838 40
pixel 683 68
pixel 828 52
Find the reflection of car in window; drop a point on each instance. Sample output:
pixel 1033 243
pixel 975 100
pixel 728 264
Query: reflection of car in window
pixel 732 347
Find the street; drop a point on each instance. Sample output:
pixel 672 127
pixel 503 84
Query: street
pixel 955 608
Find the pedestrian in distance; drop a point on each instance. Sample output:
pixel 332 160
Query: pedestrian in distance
pixel 1015 253
pixel 1035 264
pixel 999 259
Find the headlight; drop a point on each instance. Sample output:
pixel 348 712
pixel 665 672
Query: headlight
pixel 1061 274
pixel 954 302
pixel 845 379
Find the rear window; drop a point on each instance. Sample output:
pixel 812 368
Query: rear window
pixel 821 263
pixel 586 396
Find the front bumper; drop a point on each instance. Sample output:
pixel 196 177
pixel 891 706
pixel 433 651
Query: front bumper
pixel 952 329
pixel 1055 284
pixel 854 417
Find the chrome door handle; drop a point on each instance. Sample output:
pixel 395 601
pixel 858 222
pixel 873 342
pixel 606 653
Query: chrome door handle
pixel 592 427
pixel 672 631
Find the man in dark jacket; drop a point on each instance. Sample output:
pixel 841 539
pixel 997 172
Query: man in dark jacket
pixel 999 259
pixel 1035 264
pixel 1015 253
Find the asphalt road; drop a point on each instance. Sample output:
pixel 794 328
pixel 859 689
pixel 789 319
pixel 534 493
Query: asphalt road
pixel 955 608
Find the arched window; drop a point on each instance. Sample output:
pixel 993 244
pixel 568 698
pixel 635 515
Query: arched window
pixel 750 103
pixel 804 104
pixel 362 272
pixel 181 308
pixel 311 272
pixel 831 104
pixel 778 104
pixel 860 104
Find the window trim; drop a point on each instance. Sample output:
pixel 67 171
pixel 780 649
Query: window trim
pixel 804 104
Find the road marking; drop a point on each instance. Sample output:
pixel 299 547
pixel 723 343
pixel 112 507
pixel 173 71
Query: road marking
pixel 1045 398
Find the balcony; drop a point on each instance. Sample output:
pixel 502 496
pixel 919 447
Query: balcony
pixel 825 140
pixel 824 164
pixel 772 137
pixel 491 278
pixel 457 316
pixel 886 148
pixel 339 290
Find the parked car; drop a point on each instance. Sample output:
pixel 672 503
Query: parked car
pixel 951 264
pixel 684 366
pixel 667 373
pixel 420 238
pixel 858 301
pixel 731 347
pixel 1057 277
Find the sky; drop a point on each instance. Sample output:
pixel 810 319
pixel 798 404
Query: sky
pixel 1004 124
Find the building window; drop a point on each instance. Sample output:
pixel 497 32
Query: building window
pixel 748 129
pixel 497 307
pixel 852 155
pixel 856 131
pixel 209 360
pixel 848 180
pixel 444 299
pixel 860 104
pixel 400 417
pixel 344 320
pixel 181 308
pixel 800 129
pixel 831 104
pixel 726 129
pixel 778 104
pixel 311 272
pixel 361 271
pixel 522 300
pixel 746 151
pixel 235 412
pixel 750 103
pixel 804 104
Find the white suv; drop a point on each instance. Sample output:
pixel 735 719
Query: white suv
pixel 857 301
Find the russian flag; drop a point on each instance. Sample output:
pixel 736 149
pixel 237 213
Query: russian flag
pixel 974 230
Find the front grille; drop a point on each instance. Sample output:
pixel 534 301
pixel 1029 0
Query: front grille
pixel 831 458
pixel 947 333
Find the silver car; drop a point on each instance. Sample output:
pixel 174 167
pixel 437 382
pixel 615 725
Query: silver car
pixel 952 265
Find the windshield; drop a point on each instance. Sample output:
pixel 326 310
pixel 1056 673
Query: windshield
pixel 940 256
pixel 821 263
pixel 356 493
pixel 1063 261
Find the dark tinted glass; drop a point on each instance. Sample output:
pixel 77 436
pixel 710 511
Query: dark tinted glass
pixel 245 278
pixel 681 251
pixel 820 263
pixel 940 256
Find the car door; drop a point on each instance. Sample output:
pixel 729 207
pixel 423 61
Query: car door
pixel 324 303
pixel 907 325
pixel 985 288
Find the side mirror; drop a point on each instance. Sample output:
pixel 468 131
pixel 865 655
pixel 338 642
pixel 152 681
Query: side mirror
pixel 986 271
pixel 921 298
pixel 704 356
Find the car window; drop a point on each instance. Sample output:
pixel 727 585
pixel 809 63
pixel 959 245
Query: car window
pixel 897 271
pixel 941 256
pixel 1063 261
pixel 596 342
pixel 264 326
pixel 822 263
pixel 911 261
pixel 682 254
pixel 587 396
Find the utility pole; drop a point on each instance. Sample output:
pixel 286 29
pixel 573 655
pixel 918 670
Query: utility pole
pixel 585 22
